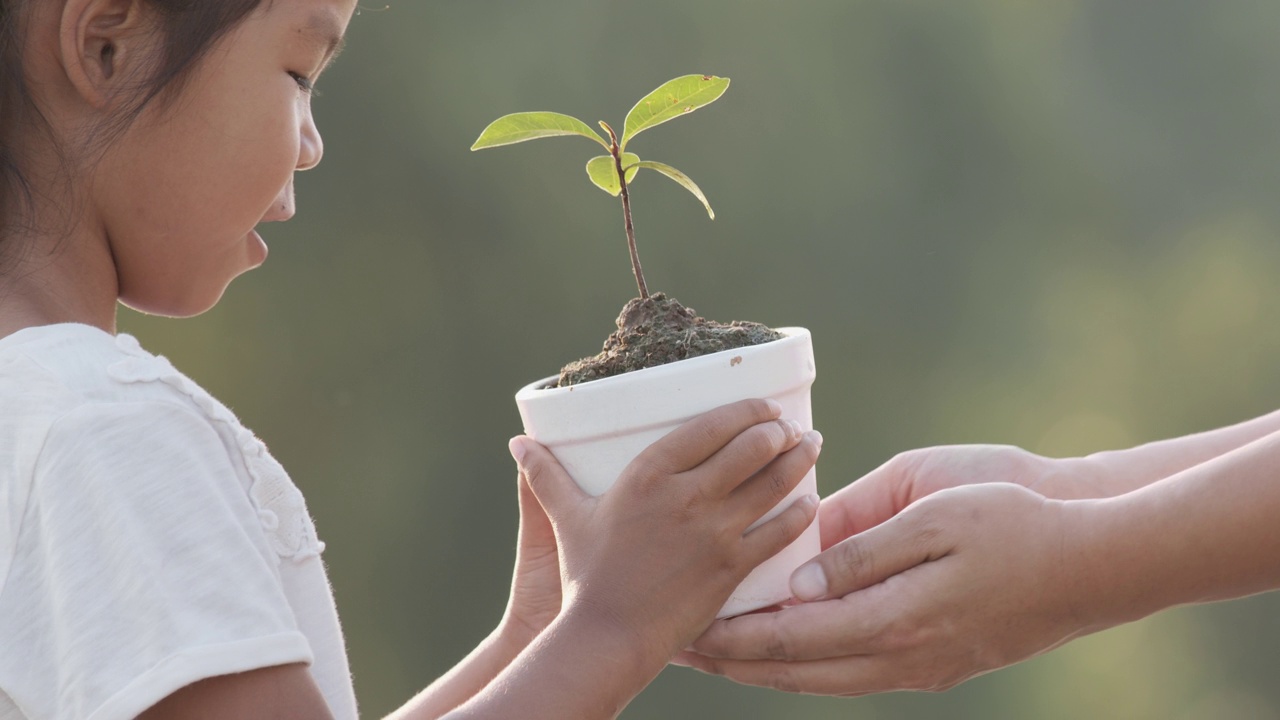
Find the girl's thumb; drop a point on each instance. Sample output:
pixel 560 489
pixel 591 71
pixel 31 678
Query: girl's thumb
pixel 553 487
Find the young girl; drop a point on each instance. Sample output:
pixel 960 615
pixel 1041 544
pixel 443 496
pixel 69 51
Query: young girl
pixel 155 561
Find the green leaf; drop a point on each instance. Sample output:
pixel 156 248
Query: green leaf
pixel 519 127
pixel 604 173
pixel 671 100
pixel 679 177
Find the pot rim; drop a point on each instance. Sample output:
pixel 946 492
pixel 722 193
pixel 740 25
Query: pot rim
pixel 539 387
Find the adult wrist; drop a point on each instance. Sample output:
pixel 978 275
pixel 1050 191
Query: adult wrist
pixel 1108 566
pixel 1076 478
pixel 1093 477
pixel 1083 587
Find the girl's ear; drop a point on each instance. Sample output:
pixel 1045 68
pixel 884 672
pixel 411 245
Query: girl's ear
pixel 103 45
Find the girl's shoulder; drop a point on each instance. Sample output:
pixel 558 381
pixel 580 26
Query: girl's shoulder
pixel 60 383
pixel 54 368
pixel 50 372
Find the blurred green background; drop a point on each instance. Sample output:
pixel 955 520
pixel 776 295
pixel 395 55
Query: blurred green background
pixel 1047 224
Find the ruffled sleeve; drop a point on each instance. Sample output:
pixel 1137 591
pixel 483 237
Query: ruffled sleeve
pixel 279 503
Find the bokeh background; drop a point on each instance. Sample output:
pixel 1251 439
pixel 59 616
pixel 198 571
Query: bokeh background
pixel 1047 224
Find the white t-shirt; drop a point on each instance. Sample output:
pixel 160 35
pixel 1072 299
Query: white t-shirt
pixel 147 539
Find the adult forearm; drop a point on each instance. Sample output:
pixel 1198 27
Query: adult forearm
pixel 1206 533
pixel 1120 471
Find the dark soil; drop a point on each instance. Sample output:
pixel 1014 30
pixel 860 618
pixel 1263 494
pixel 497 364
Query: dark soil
pixel 659 330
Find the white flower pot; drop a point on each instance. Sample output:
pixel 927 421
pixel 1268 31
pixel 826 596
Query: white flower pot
pixel 596 428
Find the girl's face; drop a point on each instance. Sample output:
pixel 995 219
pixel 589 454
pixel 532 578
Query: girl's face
pixel 180 194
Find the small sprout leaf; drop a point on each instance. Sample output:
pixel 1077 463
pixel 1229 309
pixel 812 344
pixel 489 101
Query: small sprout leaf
pixel 604 173
pixel 671 100
pixel 615 171
pixel 676 175
pixel 519 127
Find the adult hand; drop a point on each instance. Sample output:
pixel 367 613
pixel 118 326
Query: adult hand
pixel 964 581
pixel 910 476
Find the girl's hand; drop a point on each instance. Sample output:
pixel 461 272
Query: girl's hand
pixel 657 555
pixel 535 582
pixel 965 581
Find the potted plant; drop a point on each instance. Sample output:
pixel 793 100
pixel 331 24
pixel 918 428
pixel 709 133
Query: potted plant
pixel 664 364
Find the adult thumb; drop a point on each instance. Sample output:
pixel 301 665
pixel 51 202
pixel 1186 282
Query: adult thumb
pixel 555 490
pixel 865 559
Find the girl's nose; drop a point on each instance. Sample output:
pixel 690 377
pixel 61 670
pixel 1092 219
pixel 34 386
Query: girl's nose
pixel 312 147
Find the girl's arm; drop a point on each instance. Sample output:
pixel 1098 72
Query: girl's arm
pixel 471 675
pixel 643 570
pixel 646 565
pixel 586 665
pixel 534 602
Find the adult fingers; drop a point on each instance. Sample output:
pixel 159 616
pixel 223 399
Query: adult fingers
pixel 845 676
pixel 689 445
pixel 864 503
pixel 763 491
pixel 556 492
pixel 778 532
pixel 904 541
pixel 852 625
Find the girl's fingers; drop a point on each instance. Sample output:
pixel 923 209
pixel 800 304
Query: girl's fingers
pixel 556 492
pixel 764 490
pixel 689 445
pixel 535 525
pixel 776 533
pixel 746 454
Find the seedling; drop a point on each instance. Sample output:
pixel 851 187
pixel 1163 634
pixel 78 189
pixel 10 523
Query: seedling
pixel 613 172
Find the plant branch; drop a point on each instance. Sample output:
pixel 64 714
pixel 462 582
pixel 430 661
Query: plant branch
pixel 616 151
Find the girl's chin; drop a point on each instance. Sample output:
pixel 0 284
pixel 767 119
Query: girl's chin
pixel 200 291
pixel 255 249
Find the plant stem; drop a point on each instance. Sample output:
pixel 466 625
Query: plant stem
pixel 626 212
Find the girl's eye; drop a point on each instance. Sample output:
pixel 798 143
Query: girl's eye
pixel 304 83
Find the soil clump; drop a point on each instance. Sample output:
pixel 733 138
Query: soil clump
pixel 658 330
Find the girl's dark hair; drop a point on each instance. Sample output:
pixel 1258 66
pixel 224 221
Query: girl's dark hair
pixel 186 30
